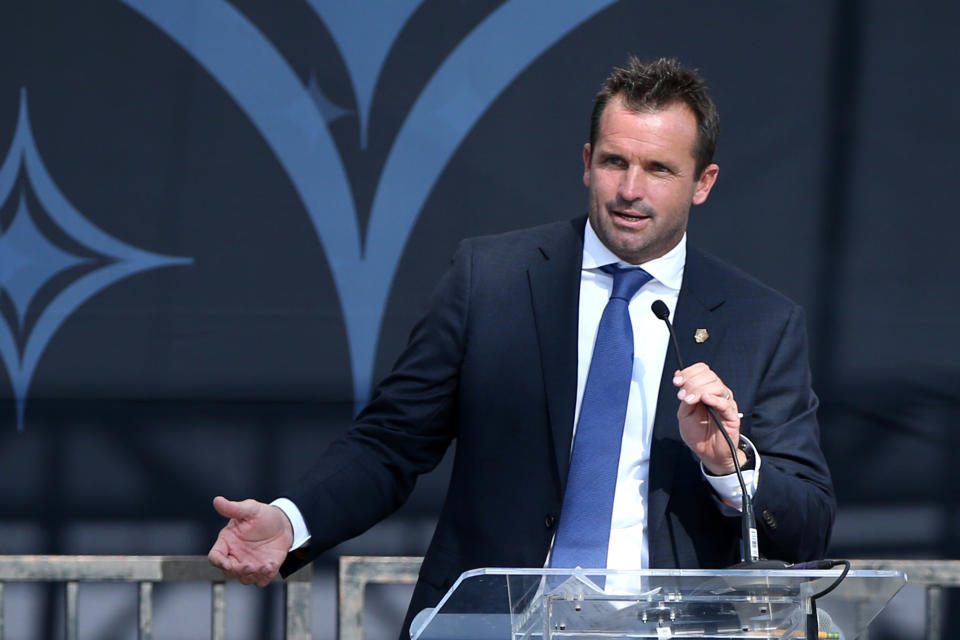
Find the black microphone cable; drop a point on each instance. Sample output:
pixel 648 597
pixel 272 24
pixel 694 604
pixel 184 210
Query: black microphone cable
pixel 813 619
pixel 751 549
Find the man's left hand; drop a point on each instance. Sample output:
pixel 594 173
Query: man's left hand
pixel 699 387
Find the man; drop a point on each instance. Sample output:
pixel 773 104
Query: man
pixel 501 363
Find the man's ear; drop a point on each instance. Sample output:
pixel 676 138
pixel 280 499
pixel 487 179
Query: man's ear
pixel 705 183
pixel 586 165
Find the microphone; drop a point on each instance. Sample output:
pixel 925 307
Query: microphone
pixel 750 553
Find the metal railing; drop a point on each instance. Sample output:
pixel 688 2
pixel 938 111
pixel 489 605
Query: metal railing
pixel 146 571
pixel 355 573
pixel 933 575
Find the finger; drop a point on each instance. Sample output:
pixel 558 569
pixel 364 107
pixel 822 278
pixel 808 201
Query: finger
pixel 701 379
pixel 223 506
pixel 222 561
pixel 724 392
pixel 265 577
pixel 693 371
pixel 232 574
pixel 716 395
pixel 690 394
pixel 702 385
pixel 264 580
pixel 678 378
pixel 726 408
pixel 235 510
pixel 696 367
pixel 697 386
pixel 688 397
pixel 248 572
pixel 216 557
pixel 255 574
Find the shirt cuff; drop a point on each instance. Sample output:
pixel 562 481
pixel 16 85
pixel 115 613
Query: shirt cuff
pixel 301 535
pixel 728 487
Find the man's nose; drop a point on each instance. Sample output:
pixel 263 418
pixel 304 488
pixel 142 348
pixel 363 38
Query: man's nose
pixel 632 184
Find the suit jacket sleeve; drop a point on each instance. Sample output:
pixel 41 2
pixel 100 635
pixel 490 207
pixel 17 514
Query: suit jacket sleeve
pixel 758 347
pixel 404 431
pixel 794 502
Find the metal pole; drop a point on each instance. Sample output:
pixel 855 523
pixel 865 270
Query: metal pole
pixel 71 619
pixel 218 607
pixel 145 611
pixel 934 615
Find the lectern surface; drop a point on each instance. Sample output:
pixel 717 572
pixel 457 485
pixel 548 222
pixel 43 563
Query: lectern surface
pixel 579 604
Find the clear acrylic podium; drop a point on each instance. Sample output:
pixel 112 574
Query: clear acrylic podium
pixel 579 604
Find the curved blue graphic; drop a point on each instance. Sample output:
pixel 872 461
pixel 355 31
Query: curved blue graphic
pixel 253 72
pixel 364 42
pixel 28 260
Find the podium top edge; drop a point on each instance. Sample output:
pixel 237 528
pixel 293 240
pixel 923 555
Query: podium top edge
pixel 692 573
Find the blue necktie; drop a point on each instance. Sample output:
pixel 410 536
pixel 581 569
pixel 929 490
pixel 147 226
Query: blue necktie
pixel 584 530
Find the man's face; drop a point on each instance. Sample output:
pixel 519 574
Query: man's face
pixel 641 179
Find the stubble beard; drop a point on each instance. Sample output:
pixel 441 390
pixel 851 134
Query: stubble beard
pixel 641 245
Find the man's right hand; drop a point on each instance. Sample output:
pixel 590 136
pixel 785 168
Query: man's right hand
pixel 253 545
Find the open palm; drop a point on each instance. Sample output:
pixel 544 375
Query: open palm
pixel 253 544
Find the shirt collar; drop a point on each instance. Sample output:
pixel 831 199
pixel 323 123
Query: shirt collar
pixel 667 269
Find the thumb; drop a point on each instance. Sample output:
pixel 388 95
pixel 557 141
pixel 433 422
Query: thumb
pixel 235 510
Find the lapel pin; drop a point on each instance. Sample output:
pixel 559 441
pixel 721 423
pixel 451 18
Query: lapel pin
pixel 701 336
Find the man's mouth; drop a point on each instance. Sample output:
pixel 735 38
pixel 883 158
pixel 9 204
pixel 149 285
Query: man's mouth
pixel 630 217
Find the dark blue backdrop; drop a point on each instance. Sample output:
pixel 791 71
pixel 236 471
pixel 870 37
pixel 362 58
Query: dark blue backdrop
pixel 218 221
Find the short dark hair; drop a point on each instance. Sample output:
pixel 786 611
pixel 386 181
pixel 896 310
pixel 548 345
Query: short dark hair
pixel 656 85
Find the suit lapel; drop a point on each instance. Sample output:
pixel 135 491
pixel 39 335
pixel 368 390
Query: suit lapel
pixel 554 277
pixel 699 298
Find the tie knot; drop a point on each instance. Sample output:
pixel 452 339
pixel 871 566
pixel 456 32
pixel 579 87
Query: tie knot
pixel 626 282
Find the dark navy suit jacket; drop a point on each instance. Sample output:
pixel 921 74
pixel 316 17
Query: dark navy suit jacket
pixel 493 367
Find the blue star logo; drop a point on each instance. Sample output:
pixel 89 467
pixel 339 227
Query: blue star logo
pixel 28 260
pixel 32 262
